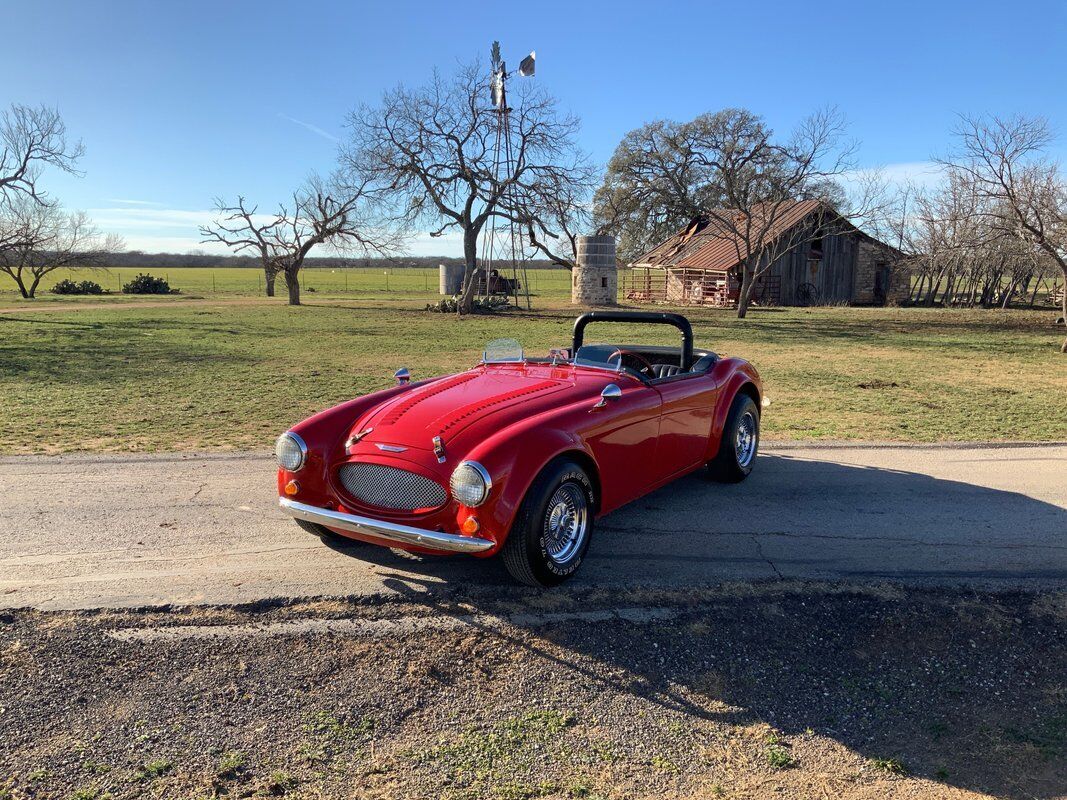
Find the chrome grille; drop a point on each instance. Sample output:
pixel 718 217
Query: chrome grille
pixel 388 487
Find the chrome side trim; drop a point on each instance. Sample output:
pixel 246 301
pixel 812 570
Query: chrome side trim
pixel 401 534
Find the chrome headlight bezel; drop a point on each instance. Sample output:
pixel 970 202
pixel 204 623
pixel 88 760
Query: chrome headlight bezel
pixel 290 440
pixel 470 484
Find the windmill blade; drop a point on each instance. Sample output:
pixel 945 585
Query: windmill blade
pixel 526 66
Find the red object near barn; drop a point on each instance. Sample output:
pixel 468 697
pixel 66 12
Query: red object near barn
pixel 519 455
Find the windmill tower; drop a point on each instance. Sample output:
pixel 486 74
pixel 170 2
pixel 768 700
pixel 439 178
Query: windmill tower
pixel 502 246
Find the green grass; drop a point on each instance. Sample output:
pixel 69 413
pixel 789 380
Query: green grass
pixel 225 373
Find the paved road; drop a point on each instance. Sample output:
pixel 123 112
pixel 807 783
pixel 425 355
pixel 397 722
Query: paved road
pixel 78 532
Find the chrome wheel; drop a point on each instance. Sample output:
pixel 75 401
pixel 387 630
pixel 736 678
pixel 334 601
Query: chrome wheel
pixel 566 522
pixel 745 439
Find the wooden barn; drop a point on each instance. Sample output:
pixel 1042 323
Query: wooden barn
pixel 819 258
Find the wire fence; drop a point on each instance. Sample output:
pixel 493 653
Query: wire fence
pixel 241 281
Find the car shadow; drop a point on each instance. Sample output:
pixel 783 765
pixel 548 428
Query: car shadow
pixel 965 689
pixel 801 519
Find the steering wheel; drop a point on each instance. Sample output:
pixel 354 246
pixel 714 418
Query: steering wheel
pixel 643 365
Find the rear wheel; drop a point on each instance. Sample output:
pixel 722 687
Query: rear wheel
pixel 739 443
pixel 551 532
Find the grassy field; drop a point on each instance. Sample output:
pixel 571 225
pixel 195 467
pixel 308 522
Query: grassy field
pixel 235 281
pixel 216 371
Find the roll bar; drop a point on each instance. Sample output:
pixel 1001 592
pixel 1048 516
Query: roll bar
pixel 653 317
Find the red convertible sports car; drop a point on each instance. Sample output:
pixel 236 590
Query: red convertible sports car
pixel 520 455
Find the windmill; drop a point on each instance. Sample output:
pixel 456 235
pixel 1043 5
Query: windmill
pixel 502 246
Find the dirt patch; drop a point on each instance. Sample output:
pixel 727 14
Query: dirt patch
pixel 793 691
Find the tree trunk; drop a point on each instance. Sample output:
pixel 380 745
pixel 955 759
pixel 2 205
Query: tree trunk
pixel 292 283
pixel 746 290
pixel 268 278
pixel 35 284
pixel 22 286
pixel 1008 295
pixel 1063 308
pixel 470 258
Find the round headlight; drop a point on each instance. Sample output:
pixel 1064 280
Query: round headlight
pixel 470 483
pixel 290 451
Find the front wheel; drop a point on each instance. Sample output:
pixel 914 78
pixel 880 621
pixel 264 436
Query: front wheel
pixel 739 442
pixel 551 532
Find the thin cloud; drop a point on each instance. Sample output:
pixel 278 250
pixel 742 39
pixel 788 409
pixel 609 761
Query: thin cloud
pixel 313 128
pixel 131 202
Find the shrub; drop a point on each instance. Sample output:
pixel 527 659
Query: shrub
pixel 68 286
pixel 147 284
pixel 479 305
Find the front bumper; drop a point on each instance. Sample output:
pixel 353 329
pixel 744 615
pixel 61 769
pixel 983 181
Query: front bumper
pixel 390 531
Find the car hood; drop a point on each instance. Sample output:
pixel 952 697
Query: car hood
pixel 463 409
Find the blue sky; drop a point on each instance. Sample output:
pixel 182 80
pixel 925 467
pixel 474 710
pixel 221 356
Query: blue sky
pixel 177 103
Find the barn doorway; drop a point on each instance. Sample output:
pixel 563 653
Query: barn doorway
pixel 881 284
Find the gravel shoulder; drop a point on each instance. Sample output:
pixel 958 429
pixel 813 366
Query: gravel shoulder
pixel 792 690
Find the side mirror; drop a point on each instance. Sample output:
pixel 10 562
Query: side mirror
pixel 611 392
pixel 402 375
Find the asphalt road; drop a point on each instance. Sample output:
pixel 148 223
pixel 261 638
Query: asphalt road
pixel 84 532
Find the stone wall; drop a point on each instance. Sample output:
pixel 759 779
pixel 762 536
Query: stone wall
pixel 870 258
pixel 595 279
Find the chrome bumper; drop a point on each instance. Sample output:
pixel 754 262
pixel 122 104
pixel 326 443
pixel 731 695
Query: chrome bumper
pixel 401 534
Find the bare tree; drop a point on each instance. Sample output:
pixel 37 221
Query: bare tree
pixel 243 229
pixel 38 238
pixel 1024 192
pixel 30 140
pixel 431 153
pixel 760 180
pixel 334 214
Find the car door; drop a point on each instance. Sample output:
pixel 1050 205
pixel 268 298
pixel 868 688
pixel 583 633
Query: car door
pixel 623 435
pixel 687 405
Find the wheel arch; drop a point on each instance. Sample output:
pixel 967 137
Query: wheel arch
pixel 752 391
pixel 586 462
pixel 738 378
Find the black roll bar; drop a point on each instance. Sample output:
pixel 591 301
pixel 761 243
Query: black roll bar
pixel 653 317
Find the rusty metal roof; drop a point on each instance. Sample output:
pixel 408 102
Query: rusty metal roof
pixel 711 242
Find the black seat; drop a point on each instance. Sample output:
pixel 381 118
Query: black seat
pixel 665 370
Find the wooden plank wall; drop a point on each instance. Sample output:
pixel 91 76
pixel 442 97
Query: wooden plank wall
pixel 835 274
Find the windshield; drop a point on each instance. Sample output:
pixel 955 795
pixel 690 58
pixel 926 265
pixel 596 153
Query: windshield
pixel 502 351
pixel 600 356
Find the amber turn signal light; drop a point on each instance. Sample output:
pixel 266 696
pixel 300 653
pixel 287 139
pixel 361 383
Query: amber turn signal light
pixel 292 488
pixel 470 526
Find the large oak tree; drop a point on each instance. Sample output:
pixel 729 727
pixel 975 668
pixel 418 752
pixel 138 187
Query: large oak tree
pixel 431 153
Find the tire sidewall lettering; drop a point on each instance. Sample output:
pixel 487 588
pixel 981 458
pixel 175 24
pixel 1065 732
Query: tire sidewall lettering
pixel 562 570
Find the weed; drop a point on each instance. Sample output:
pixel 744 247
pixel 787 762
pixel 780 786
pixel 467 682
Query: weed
pixel 664 764
pixel 890 766
pixel 154 769
pixel 231 764
pixel 279 783
pixel 779 757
